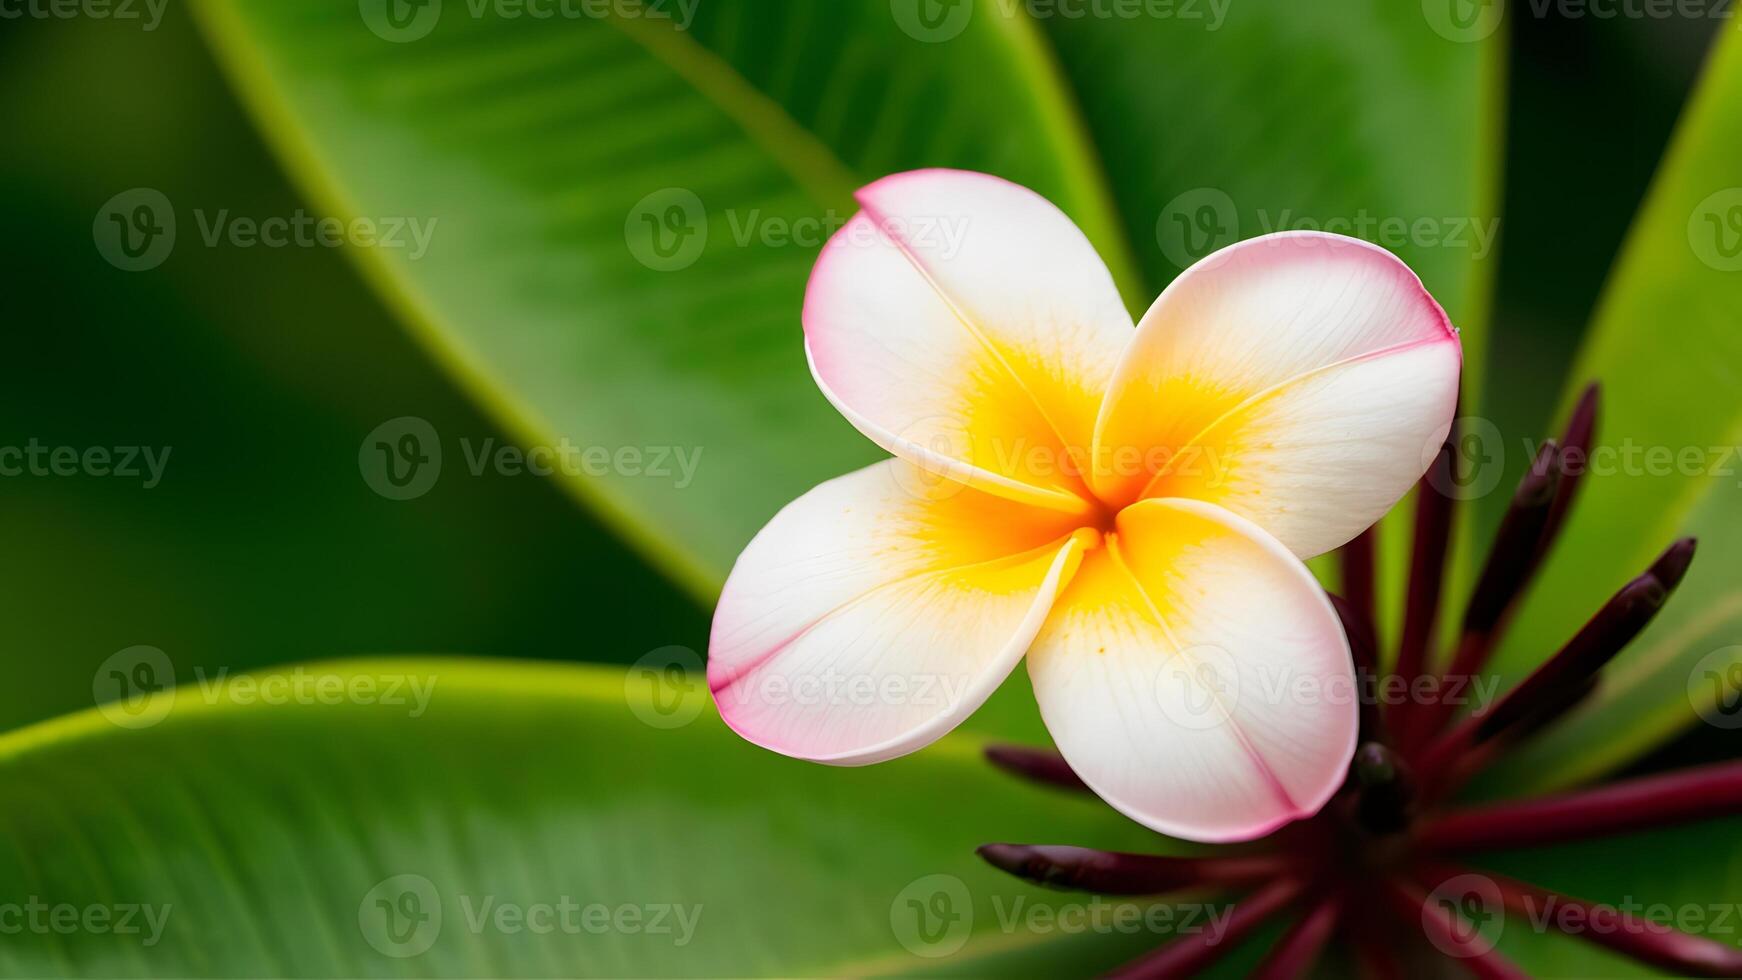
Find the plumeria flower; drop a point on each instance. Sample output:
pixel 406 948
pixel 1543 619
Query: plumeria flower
pixel 1128 504
pixel 1385 870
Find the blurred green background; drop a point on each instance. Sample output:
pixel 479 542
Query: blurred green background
pixel 265 370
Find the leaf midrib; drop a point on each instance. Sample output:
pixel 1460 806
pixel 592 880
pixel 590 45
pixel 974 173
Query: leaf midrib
pixel 810 162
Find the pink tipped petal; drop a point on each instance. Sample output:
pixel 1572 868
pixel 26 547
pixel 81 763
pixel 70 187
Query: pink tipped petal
pixel 964 323
pixel 869 618
pixel 1196 677
pixel 1301 380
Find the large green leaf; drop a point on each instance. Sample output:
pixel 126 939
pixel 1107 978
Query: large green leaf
pixel 535 141
pixel 548 152
pixel 304 821
pixel 260 822
pixel 259 371
pixel 1666 347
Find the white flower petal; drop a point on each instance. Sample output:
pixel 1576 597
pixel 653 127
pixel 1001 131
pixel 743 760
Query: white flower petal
pixel 1196 677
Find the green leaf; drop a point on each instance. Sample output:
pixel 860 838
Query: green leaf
pixel 534 143
pixel 256 373
pixel 1665 346
pixel 258 819
pixel 550 153
pixel 1354 118
pixel 1687 877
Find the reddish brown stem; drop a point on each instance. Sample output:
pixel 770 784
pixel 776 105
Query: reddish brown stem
pixel 1297 951
pixel 1363 650
pixel 1511 562
pixel 1114 873
pixel 1619 808
pixel 1433 534
pixel 1561 679
pixel 1189 954
pixel 1654 943
pixel 1040 765
pixel 1359 559
pixel 1448 933
pixel 1575 461
pixel 1375 955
